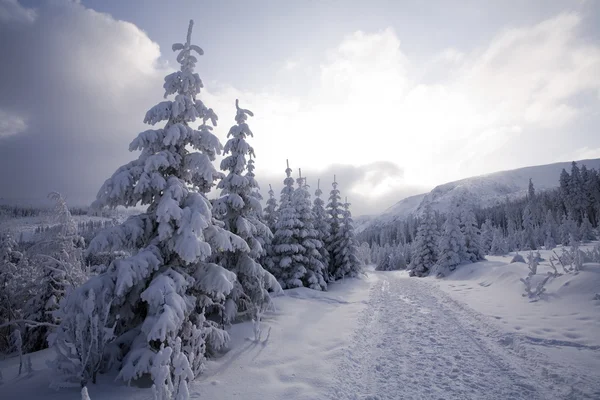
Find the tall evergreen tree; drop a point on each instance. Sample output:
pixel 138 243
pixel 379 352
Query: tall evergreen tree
pixel 468 224
pixel 564 188
pixel 270 213
pixel 288 253
pixel 577 199
pixel 349 265
pixel 270 219
pixel 162 291
pixel 322 227
pixel 511 238
pixel 424 254
pixel 264 235
pixel 451 244
pixel 240 210
pixel 334 211
pixel 528 237
pixel 592 192
pixel 487 235
pixel 586 231
pixel 13 284
pixel 308 238
pixel 549 231
pixel 530 192
pixel 568 231
pixel 499 246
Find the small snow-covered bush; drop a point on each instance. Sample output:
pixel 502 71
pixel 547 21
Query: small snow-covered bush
pixel 533 263
pixel 532 292
pixel 592 255
pixel 572 259
pixel 553 266
pixel 82 336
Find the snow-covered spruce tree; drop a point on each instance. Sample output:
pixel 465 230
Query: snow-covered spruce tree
pixel 384 262
pixel 586 231
pixel 335 215
pixel 398 257
pixel 240 210
pixel 349 265
pixel 527 235
pixel 287 252
pixel 424 253
pixel 576 193
pixel 451 245
pixel 549 231
pixel 468 224
pixel 264 235
pixel 270 212
pixel 568 230
pixel 60 260
pixel 363 253
pixel 270 219
pixel 512 242
pixel 322 227
pixel 308 237
pixel 164 288
pixel 11 287
pixel 487 235
pixel 530 192
pixel 499 246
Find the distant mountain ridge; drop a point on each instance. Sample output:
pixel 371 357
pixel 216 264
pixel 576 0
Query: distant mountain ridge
pixel 484 190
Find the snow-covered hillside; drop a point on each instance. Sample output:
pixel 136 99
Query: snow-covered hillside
pixel 484 190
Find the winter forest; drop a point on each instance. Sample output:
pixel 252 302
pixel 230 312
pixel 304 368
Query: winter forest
pixel 182 280
pixel 437 243
pixel 153 295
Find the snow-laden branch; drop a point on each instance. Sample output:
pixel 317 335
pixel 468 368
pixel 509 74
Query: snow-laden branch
pixel 28 322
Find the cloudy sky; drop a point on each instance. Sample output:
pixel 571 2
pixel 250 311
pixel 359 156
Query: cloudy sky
pixel 394 97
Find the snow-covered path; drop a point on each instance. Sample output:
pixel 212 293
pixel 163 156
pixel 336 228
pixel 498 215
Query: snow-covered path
pixel 413 342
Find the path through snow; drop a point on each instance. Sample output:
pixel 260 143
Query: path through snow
pixel 413 342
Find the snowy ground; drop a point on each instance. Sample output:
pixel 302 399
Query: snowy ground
pixel 387 336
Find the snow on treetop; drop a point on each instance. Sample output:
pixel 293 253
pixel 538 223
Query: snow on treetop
pixel 242 114
pixel 184 57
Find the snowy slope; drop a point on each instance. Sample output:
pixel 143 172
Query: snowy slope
pixel 485 190
pixel 405 207
pixel 362 221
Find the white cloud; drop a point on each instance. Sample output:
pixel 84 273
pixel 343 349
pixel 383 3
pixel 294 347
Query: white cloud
pixel 445 119
pixel 11 124
pixel 373 103
pixel 290 65
pixel 12 11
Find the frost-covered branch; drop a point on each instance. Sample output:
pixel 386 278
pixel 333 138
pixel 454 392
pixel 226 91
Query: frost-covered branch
pixel 28 323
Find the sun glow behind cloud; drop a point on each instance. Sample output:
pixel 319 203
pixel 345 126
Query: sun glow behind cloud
pixel 441 121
